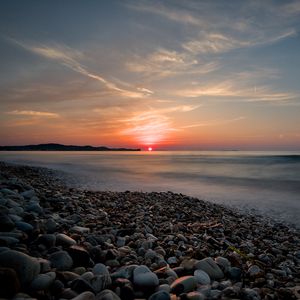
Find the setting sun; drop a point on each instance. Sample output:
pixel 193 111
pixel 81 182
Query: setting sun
pixel 149 148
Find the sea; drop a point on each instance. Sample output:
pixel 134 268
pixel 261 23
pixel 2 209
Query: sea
pixel 265 183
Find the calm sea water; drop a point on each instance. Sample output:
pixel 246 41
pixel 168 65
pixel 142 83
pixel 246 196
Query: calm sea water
pixel 268 182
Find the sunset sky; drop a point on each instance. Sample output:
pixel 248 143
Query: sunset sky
pixel 166 74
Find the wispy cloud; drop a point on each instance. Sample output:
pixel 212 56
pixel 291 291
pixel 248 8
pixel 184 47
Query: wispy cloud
pixel 33 113
pixel 166 63
pixel 69 58
pixel 219 43
pixel 236 90
pixel 213 123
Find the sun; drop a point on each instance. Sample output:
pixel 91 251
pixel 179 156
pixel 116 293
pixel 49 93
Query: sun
pixel 149 148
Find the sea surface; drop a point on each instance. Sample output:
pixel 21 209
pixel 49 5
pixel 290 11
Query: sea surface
pixel 267 183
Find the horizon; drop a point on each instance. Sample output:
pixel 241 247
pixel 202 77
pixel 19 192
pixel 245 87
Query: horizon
pixel 170 75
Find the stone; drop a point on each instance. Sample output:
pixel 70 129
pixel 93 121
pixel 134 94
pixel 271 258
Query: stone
pixel 146 280
pixel 80 230
pixel 224 263
pixel 51 225
pixel 249 294
pixel 202 277
pixel 184 284
pixel 81 285
pixel 6 224
pixel 209 266
pixel 64 240
pixel 47 239
pixel 61 260
pixel 107 295
pixel 26 267
pixel 28 194
pixel 80 256
pixel 235 273
pixel 9 282
pixel 100 269
pixel 160 295
pixel 43 281
pixel 85 296
pixel 195 296
pixel 100 282
pixel 255 271
pixel 121 241
pixel 172 260
pixel 24 226
pixel 34 207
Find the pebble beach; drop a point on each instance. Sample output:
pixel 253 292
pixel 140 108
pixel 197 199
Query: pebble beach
pixel 58 242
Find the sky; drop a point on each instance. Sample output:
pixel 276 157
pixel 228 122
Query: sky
pixel 178 75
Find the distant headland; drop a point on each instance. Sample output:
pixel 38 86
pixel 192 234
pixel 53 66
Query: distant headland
pixel 60 147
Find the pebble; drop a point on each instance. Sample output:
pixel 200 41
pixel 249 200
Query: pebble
pixel 209 266
pixel 64 240
pixel 160 295
pixel 202 277
pixel 43 281
pixel 26 267
pixel 132 245
pixel 61 260
pixel 107 295
pixel 184 285
pixel 9 282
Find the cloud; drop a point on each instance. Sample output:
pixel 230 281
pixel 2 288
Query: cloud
pixel 163 63
pixel 237 88
pixel 153 126
pixel 215 43
pixel 213 123
pixel 69 58
pixel 33 113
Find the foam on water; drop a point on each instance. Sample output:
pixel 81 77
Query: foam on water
pixel 265 181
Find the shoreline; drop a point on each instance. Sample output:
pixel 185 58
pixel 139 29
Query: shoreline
pixel 135 245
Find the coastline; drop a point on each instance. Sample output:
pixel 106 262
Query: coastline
pixel 108 239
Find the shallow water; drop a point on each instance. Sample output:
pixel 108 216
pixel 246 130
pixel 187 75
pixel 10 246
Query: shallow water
pixel 265 181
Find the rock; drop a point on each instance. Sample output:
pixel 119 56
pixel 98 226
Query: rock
pixel 61 260
pixel 34 207
pixel 100 269
pixel 81 285
pixel 64 240
pixel 43 281
pixel 80 256
pixel 85 296
pixel 51 226
pixel 235 273
pixel 107 295
pixel 184 285
pixel 28 194
pixel 146 280
pixel 172 260
pixel 100 282
pixel 48 240
pixel 224 263
pixel 80 230
pixel 26 227
pixel 9 282
pixel 121 241
pixel 249 294
pixel 202 277
pixel 254 271
pixel 210 267
pixel 6 224
pixel 26 267
pixel 160 295
pixel 195 296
